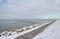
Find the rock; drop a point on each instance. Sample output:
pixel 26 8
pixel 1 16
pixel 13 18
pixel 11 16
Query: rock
pixel 5 33
pixel 31 27
pixel 0 35
pixel 9 34
pixel 20 30
pixel 27 28
pixel 24 28
pixel 15 30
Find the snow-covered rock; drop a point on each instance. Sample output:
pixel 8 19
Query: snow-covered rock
pixel 15 34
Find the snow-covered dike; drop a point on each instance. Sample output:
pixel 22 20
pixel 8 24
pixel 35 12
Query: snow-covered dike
pixel 51 32
pixel 24 32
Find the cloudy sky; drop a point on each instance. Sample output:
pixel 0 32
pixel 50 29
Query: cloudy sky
pixel 29 9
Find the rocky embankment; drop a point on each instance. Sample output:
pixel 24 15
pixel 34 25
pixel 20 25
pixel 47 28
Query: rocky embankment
pixel 34 30
pixel 16 31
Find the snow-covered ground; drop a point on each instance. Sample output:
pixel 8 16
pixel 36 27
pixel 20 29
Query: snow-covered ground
pixel 51 32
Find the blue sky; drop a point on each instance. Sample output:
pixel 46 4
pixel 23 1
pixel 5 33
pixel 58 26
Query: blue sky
pixel 29 9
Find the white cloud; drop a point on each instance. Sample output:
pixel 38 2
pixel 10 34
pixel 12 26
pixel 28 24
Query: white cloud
pixel 30 9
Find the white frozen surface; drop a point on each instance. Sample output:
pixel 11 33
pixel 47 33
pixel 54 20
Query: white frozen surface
pixel 51 32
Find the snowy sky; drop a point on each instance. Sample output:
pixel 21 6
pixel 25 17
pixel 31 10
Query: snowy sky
pixel 29 9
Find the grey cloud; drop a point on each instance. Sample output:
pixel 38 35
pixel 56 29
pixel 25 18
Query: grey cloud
pixel 24 9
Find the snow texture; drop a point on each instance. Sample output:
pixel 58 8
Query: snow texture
pixel 52 32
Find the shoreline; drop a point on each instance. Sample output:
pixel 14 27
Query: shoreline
pixel 21 33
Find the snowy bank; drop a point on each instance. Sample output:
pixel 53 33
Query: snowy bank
pixel 27 32
pixel 51 32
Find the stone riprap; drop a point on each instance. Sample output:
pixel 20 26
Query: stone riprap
pixel 25 32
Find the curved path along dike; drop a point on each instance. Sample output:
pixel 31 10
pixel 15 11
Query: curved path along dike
pixel 29 34
pixel 51 32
